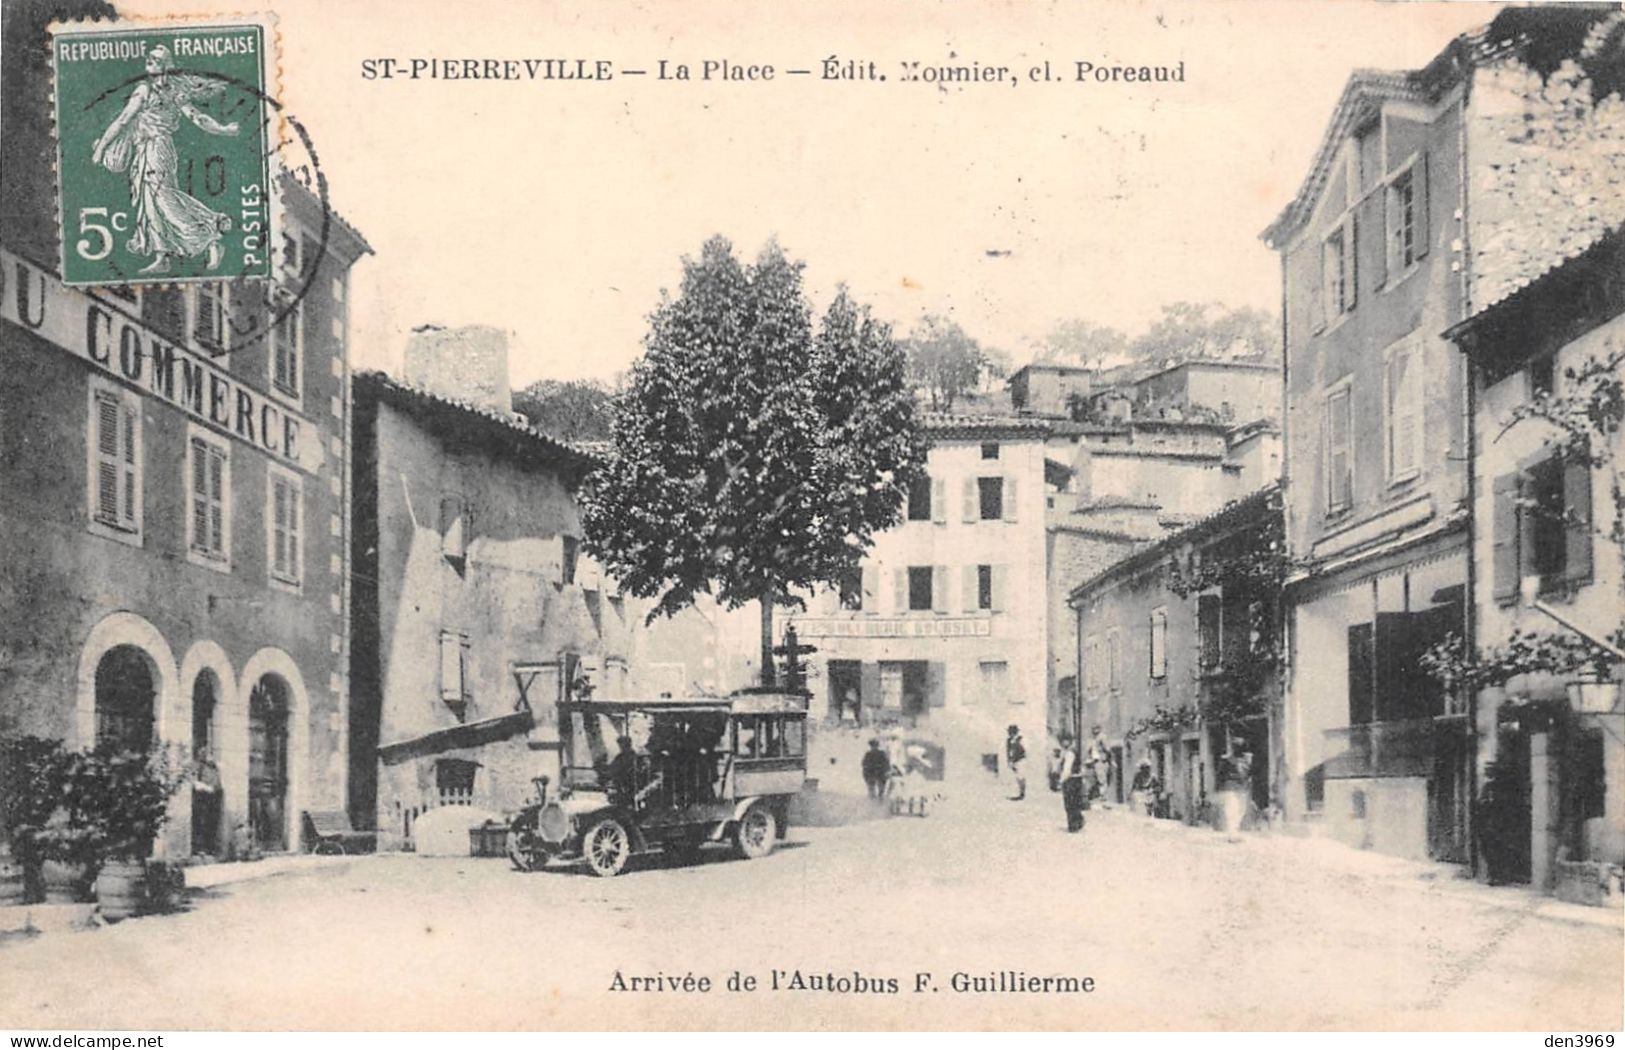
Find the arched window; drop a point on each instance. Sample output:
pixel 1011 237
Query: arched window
pixel 125 695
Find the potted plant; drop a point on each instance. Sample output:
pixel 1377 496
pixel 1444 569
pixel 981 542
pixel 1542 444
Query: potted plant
pixel 31 775
pixel 126 798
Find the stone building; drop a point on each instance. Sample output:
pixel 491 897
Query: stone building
pixel 475 610
pixel 945 624
pixel 1384 247
pixel 1177 661
pixel 1230 391
pixel 173 507
pixel 1545 526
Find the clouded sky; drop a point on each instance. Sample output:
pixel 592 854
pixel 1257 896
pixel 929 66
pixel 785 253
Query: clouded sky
pixel 559 209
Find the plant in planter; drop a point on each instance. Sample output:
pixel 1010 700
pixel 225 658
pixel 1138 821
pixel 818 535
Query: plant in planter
pixel 31 782
pixel 126 799
pixel 68 843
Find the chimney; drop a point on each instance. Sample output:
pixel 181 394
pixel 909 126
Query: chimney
pixel 468 364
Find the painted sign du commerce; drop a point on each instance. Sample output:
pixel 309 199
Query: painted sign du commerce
pixel 119 345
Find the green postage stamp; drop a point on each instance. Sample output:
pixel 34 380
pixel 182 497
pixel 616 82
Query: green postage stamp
pixel 163 167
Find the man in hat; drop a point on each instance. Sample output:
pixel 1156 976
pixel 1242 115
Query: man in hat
pixel 1015 757
pixel 876 767
pixel 1072 783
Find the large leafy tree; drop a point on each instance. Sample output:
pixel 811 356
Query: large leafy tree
pixel 570 410
pixel 751 459
pixel 944 360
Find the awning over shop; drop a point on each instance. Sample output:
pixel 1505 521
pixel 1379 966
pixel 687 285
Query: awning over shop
pixel 471 734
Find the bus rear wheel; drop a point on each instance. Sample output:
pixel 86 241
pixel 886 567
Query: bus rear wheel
pixel 758 830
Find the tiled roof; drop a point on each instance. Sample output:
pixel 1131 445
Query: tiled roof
pixel 949 424
pixel 1486 316
pixel 456 412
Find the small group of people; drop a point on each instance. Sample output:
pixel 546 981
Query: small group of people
pixel 897 772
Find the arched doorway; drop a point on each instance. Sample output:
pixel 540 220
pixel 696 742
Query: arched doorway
pixel 125 692
pixel 208 799
pixel 268 762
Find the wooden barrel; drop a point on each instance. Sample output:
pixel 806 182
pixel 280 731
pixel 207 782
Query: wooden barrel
pixel 12 885
pixel 120 889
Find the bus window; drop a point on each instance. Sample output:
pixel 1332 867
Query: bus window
pixel 795 737
pixel 772 737
pixel 746 747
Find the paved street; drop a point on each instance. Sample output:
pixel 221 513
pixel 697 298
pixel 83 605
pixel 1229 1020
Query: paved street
pixel 1178 928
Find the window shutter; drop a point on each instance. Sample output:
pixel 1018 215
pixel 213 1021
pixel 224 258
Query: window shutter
pixel 200 495
pixel 973 507
pixel 1317 295
pixel 971 590
pixel 1420 192
pixel 1505 539
pixel 107 460
pixel 1351 264
pixel 451 667
pixel 869 588
pixel 130 495
pixel 939 588
pixel 294 566
pixel 939 500
pixel 1000 573
pixel 899 590
pixel 1009 499
pixel 1577 534
pixel 1392 234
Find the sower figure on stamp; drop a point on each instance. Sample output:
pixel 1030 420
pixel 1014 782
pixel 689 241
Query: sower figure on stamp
pixel 141 140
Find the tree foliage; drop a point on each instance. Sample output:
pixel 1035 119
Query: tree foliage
pixel 1084 343
pixel 749 456
pixel 1192 331
pixel 570 410
pixel 944 360
pixel 1182 332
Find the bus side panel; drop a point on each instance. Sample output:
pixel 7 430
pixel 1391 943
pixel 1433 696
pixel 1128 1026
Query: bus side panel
pixel 748 782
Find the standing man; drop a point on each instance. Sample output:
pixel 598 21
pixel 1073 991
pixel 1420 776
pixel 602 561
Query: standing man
pixel 876 765
pixel 1099 759
pixel 1015 756
pixel 1072 784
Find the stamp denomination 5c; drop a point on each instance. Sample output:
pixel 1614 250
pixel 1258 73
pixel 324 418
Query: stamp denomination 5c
pixel 163 169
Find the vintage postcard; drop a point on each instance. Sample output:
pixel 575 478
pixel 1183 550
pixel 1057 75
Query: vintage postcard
pixel 545 516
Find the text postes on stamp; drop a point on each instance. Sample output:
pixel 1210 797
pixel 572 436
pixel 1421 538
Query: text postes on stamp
pixel 163 170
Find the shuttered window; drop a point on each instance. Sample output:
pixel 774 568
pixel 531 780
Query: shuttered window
pixel 1339 451
pixel 453 668
pixel 1407 216
pixel 1403 390
pixel 208 498
pixel 1541 527
pixel 285 342
pixel 209 316
pixel 1159 643
pixel 919 498
pixel 115 439
pixel 1210 627
pixel 285 521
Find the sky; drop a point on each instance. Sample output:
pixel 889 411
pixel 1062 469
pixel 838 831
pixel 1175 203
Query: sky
pixel 559 210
